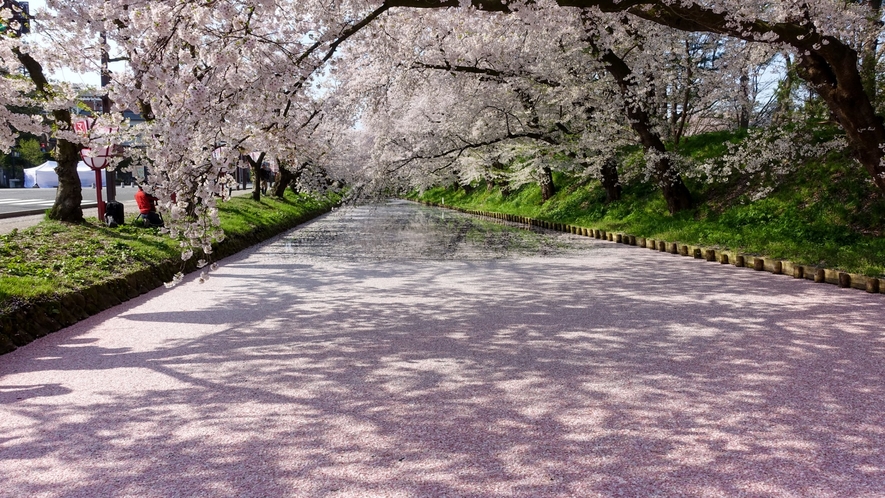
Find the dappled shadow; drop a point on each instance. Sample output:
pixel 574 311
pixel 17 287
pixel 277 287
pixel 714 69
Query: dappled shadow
pixel 619 371
pixel 10 393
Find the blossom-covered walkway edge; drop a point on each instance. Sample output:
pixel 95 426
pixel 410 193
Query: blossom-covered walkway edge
pixel 401 350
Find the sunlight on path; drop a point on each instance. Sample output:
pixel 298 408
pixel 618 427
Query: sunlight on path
pixel 400 350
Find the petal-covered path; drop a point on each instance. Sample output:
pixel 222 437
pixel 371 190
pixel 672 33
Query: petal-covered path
pixel 400 350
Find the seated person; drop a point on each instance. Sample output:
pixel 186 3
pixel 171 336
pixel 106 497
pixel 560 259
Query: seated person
pixel 147 207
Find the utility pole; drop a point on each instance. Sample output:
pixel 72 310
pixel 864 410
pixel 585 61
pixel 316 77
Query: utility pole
pixel 110 176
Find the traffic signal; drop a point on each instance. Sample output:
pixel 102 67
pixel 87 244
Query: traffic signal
pixel 20 23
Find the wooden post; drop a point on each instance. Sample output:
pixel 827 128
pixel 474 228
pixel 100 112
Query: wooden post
pixel 710 255
pixel 844 280
pixel 798 271
pixel 820 276
pixel 873 285
pixel 723 259
pixel 778 268
pixel 739 260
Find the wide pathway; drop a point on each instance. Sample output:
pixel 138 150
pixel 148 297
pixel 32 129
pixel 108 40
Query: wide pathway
pixel 400 350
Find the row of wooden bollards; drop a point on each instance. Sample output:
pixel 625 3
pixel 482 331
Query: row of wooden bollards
pixel 772 265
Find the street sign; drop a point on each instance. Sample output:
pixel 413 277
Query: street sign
pixel 81 126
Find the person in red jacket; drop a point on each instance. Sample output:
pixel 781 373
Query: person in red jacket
pixel 147 207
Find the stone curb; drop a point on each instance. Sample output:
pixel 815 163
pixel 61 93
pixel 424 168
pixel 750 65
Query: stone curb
pixel 31 320
pixel 772 265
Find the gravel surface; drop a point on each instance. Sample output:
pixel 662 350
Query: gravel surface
pixel 399 350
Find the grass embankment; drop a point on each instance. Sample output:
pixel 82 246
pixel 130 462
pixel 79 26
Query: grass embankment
pixel 826 214
pixel 55 258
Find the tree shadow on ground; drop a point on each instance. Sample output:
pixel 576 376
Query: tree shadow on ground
pixel 625 372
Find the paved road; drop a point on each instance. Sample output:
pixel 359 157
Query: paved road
pixel 401 350
pixel 21 208
pixel 16 200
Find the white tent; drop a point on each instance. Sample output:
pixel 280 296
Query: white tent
pixel 44 175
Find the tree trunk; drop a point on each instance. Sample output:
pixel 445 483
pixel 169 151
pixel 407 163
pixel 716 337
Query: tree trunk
pixel 548 189
pixel 256 182
pixel 503 184
pixel 69 195
pixel 673 112
pixel 838 81
pixel 783 109
pixel 683 118
pixel 255 166
pixel 286 177
pixel 746 106
pixel 675 192
pixel 610 181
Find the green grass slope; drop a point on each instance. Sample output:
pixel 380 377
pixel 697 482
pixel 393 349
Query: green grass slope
pixel 827 214
pixel 54 258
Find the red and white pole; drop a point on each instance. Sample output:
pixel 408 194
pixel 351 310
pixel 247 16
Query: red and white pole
pixel 98 196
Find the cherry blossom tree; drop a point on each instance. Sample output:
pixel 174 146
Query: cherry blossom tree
pixel 215 81
pixel 826 37
pixel 559 102
pixel 220 79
